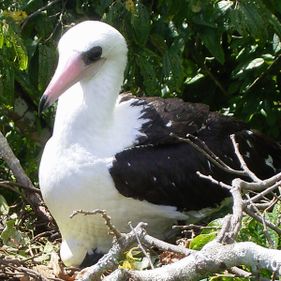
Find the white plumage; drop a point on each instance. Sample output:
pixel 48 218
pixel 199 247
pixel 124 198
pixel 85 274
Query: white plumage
pixel 90 128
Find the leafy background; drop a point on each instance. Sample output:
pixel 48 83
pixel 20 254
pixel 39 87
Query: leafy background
pixel 223 53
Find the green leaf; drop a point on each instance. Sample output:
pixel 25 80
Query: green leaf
pixel 194 79
pixel 211 39
pixel 254 63
pixel 4 207
pixel 141 24
pixel 225 5
pixel 148 72
pixel 172 69
pixel 276 44
pixel 201 240
pixel 252 18
pixel 47 60
pixel 9 232
pixel 158 42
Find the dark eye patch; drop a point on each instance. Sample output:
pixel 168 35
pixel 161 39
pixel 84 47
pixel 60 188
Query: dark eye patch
pixel 92 55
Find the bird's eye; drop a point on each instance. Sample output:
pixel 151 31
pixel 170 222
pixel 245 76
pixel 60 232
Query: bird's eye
pixel 92 55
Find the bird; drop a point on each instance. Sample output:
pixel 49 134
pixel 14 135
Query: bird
pixel 126 154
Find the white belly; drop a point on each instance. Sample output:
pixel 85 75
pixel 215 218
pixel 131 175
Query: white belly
pixel 75 181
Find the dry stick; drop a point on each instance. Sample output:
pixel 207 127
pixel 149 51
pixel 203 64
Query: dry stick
pixel 110 260
pixel 147 254
pixel 38 12
pixel 206 148
pixel 257 185
pixel 19 266
pixel 210 156
pixel 210 178
pixel 32 198
pixel 165 246
pixel 249 212
pixel 117 234
pixel 267 205
pixel 242 161
pixel 12 185
pixel 265 192
pixel 267 235
pixel 237 211
pixel 263 184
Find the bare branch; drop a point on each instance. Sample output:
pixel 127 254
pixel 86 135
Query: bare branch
pixel 210 178
pixel 242 161
pixel 249 212
pixel 209 260
pixel 31 197
pixel 164 246
pixel 147 254
pixel 112 229
pixel 209 155
pixel 39 11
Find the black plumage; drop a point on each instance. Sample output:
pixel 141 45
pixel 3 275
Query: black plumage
pixel 161 169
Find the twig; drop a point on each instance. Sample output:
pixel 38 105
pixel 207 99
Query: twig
pixel 38 12
pixel 210 156
pixel 117 234
pixel 14 164
pixel 210 178
pixel 249 212
pixel 224 229
pixel 109 261
pixel 164 246
pixel 263 193
pixel 240 272
pixel 18 266
pixel 11 185
pixel 242 161
pixel 147 254
pixel 237 209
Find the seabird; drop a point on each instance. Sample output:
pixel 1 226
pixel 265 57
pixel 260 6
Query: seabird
pixel 116 152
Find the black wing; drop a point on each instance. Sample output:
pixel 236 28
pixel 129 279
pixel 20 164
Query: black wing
pixel 162 170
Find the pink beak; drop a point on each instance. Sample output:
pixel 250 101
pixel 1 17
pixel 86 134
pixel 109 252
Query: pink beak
pixel 66 75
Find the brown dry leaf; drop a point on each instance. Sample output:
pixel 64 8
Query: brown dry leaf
pixel 25 277
pixel 44 271
pixel 170 257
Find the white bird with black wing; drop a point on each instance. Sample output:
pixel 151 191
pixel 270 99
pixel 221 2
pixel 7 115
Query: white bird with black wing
pixel 115 152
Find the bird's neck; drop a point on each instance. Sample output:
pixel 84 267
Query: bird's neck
pixel 86 110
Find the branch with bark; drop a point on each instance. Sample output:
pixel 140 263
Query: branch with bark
pixel 32 197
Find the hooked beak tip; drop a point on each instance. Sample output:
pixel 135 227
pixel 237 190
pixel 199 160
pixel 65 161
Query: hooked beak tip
pixel 43 104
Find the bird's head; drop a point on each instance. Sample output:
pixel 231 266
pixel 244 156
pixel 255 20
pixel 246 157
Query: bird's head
pixel 83 50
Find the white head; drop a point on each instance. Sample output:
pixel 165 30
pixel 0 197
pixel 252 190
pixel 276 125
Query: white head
pixel 83 49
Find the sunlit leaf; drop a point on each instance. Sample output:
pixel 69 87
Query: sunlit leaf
pixel 225 5
pixel 4 207
pixel 201 240
pixel 276 44
pixel 254 63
